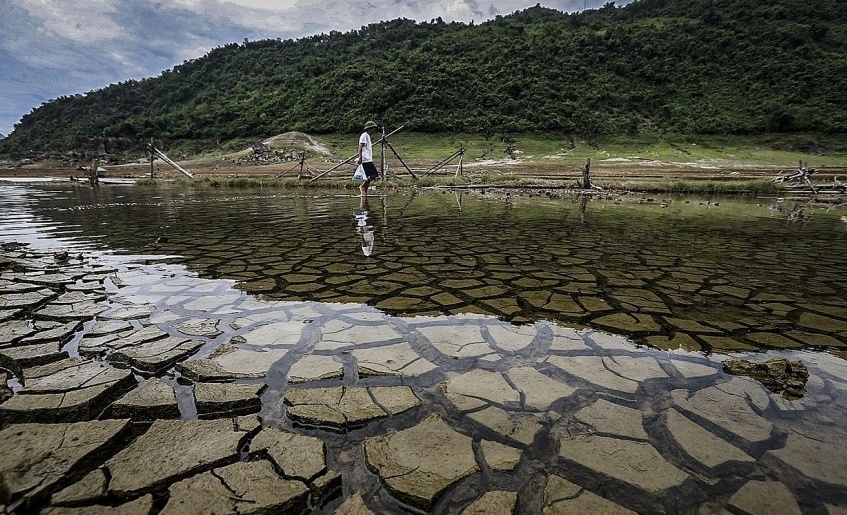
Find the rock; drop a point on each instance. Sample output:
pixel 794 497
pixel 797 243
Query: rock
pixel 85 491
pixel 297 456
pixel 728 407
pixel 141 506
pixel 25 356
pixel 71 394
pixel 38 456
pixel 312 367
pixel 704 447
pixel 607 418
pixel 418 464
pixel 171 449
pixel 216 400
pixel 817 460
pixel 400 360
pixel 637 464
pixel 562 497
pixel 778 374
pixel 228 363
pixel 156 356
pixel 765 497
pixel 347 407
pixel 153 400
pixel 246 488
pixel 498 501
pixel 499 457
pixel 539 390
pixel 353 505
pixel 479 388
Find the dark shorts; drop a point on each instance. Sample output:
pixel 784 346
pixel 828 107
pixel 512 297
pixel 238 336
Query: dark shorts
pixel 370 171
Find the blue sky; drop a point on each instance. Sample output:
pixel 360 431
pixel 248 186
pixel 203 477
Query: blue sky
pixel 52 48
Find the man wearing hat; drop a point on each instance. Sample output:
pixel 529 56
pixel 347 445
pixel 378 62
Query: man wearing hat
pixel 366 156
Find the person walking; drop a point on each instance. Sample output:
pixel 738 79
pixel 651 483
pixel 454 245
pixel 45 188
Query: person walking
pixel 366 157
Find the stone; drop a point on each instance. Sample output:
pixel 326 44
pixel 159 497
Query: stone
pixel 313 367
pixel 25 356
pixel 457 341
pixel 561 497
pixel 153 400
pixel 215 400
pixel 728 407
pixel 520 427
pixel 512 338
pixel 478 388
pixel 779 375
pixel 701 445
pixel 418 464
pixel 345 407
pixel 593 370
pixel 37 456
pixel 141 506
pixel 817 460
pixel 396 360
pixel 628 323
pixel 206 328
pixel 638 464
pixel 85 491
pixel 273 334
pixel 499 457
pixel 25 299
pixel 297 456
pixel 72 394
pixel 353 505
pixel 151 462
pixel 155 356
pixel 539 390
pixel 248 488
pixel 498 501
pixel 83 310
pixel 14 330
pixel 48 331
pixel 607 418
pixel 228 363
pixel 765 497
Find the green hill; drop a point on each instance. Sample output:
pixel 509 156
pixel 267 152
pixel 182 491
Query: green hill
pixel 679 66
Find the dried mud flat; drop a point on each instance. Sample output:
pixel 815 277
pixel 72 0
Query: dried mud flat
pixel 140 388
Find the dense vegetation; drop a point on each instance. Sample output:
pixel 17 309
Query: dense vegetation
pixel 680 66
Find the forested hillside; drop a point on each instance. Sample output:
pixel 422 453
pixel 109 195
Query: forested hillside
pixel 681 66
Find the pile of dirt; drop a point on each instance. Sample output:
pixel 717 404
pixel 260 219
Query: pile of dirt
pixel 297 141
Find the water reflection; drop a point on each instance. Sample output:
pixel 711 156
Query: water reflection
pixel 363 230
pixel 695 275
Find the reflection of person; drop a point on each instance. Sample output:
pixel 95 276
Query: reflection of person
pixel 365 231
pixel 365 157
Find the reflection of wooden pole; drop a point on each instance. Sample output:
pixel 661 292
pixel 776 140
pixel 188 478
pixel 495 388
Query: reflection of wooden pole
pixel 586 175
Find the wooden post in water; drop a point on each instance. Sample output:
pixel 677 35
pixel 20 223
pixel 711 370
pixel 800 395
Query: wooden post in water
pixel 586 175
pixel 152 158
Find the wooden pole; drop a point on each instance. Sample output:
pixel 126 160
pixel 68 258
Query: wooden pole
pixel 401 159
pixel 586 178
pixel 354 156
pixel 382 153
pixel 152 158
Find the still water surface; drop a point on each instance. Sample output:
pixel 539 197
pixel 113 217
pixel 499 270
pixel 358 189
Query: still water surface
pixel 727 275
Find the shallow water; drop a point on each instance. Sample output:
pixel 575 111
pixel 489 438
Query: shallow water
pixel 725 275
pixel 513 320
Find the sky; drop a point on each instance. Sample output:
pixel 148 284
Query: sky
pixel 54 48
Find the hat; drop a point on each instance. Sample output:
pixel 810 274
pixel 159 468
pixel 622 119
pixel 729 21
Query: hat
pixel 371 125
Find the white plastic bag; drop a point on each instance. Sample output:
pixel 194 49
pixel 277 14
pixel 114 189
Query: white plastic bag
pixel 359 175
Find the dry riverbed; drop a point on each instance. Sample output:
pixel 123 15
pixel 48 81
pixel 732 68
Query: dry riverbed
pixel 135 384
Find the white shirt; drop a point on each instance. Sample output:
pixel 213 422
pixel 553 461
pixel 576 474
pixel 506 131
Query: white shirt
pixel 367 150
